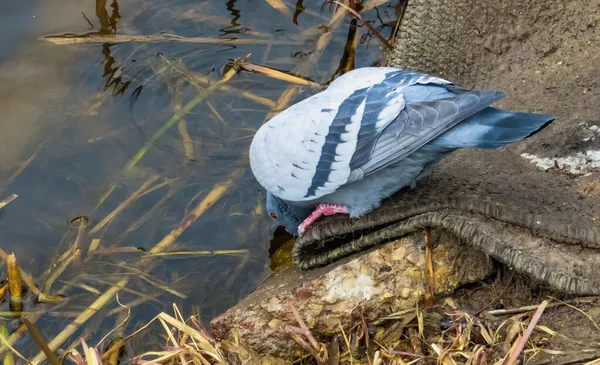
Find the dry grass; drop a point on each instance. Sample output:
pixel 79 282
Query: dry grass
pixel 408 337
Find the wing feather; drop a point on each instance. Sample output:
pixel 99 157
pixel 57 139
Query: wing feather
pixel 420 122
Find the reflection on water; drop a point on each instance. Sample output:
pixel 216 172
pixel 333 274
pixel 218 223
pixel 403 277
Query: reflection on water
pixel 84 133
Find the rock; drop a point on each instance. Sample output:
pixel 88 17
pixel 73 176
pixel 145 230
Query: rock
pixel 392 277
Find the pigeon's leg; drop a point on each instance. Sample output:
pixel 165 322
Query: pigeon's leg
pixel 321 210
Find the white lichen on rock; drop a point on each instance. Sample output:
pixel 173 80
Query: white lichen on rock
pixel 581 163
pixel 354 284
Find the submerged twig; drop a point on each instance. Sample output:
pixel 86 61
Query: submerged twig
pixel 71 254
pixel 367 23
pixel 199 253
pixel 230 89
pixel 270 72
pixel 62 39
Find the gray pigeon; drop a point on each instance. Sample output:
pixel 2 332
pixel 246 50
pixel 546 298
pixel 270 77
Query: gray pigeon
pixel 372 132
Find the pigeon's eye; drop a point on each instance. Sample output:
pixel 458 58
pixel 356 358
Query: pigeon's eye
pixel 273 215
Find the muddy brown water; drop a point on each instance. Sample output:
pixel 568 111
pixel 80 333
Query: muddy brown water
pixel 72 116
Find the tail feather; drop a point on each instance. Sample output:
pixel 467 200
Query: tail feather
pixel 493 128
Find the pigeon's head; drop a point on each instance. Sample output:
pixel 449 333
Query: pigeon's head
pixel 285 214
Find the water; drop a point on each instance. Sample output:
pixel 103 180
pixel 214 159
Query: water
pixel 73 116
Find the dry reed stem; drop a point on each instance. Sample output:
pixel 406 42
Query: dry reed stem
pixel 350 62
pixel 173 340
pixel 16 334
pixel 294 334
pixel 156 283
pixel 529 308
pixel 8 200
pixel 292 91
pixel 337 18
pixel 303 325
pixel 367 23
pixel 202 94
pixel 114 250
pixel 143 219
pixel 203 342
pixel 21 168
pixel 512 359
pixel 113 359
pixel 429 273
pixel 175 88
pixel 146 263
pixel 124 204
pixel 213 196
pixel 9 358
pixel 200 253
pixel 415 341
pixel 68 331
pixel 230 89
pixel 41 341
pixel 278 75
pixel 137 293
pixel 82 286
pixel 50 298
pixel 443 356
pixel 186 140
pixel 216 114
pixel 280 7
pixel 14 278
pixel 71 254
pixel 3 290
pixel 97 38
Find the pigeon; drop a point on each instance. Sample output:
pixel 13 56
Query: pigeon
pixel 371 133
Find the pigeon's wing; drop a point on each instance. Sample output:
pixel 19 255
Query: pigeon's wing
pixel 306 151
pixel 418 123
